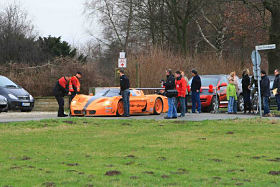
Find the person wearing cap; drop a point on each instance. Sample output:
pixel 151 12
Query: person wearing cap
pixel 265 93
pixel 124 85
pixel 74 86
pixel 60 90
pixel 195 91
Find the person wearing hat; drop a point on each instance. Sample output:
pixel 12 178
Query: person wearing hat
pixel 195 91
pixel 265 93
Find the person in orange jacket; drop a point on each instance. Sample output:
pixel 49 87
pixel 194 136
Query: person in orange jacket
pixel 181 87
pixel 59 91
pixel 74 86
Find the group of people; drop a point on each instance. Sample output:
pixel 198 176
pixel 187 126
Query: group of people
pixel 66 86
pixel 176 90
pixel 248 91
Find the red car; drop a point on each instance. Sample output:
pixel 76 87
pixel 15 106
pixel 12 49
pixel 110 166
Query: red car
pixel 209 85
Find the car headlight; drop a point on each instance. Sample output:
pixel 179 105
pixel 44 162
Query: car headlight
pixel 12 96
pixel 31 97
pixel 107 103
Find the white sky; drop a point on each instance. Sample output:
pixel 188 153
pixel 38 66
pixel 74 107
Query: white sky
pixel 58 18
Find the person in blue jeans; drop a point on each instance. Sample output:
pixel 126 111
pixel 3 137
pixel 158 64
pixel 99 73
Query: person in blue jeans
pixel 170 86
pixel 231 96
pixel 124 85
pixel 195 91
pixel 265 92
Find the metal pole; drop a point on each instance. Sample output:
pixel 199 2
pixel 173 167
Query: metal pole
pixel 259 83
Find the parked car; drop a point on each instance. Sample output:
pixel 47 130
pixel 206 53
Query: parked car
pixel 209 101
pixel 3 104
pixel 17 97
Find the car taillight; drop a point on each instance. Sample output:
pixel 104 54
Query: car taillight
pixel 211 88
pixel 200 90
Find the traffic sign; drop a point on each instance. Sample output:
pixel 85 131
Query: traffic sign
pixel 122 54
pixel 256 58
pixel 122 63
pixel 265 47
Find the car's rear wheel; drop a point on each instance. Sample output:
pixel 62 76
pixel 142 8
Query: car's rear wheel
pixel 120 108
pixel 158 108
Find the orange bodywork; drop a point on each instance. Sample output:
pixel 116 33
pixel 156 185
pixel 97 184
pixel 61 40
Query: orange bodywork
pixel 109 103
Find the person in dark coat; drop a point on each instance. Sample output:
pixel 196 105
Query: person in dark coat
pixel 59 91
pixel 265 93
pixel 195 89
pixel 276 85
pixel 170 86
pixel 246 82
pixel 124 86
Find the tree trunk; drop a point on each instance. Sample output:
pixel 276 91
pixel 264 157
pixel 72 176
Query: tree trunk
pixel 274 38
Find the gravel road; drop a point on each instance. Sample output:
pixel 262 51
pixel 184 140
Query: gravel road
pixel 19 116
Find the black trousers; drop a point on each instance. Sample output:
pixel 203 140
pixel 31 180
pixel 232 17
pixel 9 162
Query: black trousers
pixel 60 101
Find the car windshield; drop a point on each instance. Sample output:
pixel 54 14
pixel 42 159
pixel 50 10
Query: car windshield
pixel 206 81
pixel 5 82
pixel 108 93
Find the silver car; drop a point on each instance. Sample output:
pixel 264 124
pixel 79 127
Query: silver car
pixel 3 104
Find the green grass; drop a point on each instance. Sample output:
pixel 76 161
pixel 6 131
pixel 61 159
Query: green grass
pixel 146 153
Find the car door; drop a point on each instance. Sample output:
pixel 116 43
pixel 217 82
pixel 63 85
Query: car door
pixel 137 101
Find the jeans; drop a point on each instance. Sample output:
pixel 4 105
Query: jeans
pixel 277 97
pixel 196 101
pixel 266 105
pixel 60 101
pixel 71 97
pixel 230 104
pixel 247 101
pixel 172 111
pixel 235 106
pixel 182 105
pixel 125 96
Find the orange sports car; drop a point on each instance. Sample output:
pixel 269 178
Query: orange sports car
pixel 108 102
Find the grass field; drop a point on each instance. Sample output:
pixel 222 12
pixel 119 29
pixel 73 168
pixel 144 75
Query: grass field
pixel 91 152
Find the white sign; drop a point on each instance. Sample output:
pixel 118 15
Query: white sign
pixel 122 54
pixel 265 47
pixel 122 63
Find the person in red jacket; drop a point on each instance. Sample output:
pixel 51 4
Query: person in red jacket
pixel 74 86
pixel 181 87
pixel 59 91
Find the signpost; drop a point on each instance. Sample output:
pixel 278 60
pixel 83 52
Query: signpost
pixel 122 60
pixel 256 59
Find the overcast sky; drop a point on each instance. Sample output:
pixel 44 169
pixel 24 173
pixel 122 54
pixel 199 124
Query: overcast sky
pixel 58 18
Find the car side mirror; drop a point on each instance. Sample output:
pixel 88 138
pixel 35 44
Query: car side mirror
pixel 223 84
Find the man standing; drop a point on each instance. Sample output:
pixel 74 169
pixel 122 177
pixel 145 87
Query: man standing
pixel 74 86
pixel 246 91
pixel 60 90
pixel 195 89
pixel 181 87
pixel 276 85
pixel 265 93
pixel 124 84
pixel 187 91
pixel 171 93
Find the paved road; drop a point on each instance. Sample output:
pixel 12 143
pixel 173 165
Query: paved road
pixel 19 116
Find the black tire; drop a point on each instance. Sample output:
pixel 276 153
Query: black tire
pixel 240 103
pixel 214 105
pixel 155 110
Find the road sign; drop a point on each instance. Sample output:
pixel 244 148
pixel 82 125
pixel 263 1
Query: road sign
pixel 122 54
pixel 265 47
pixel 122 63
pixel 256 58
